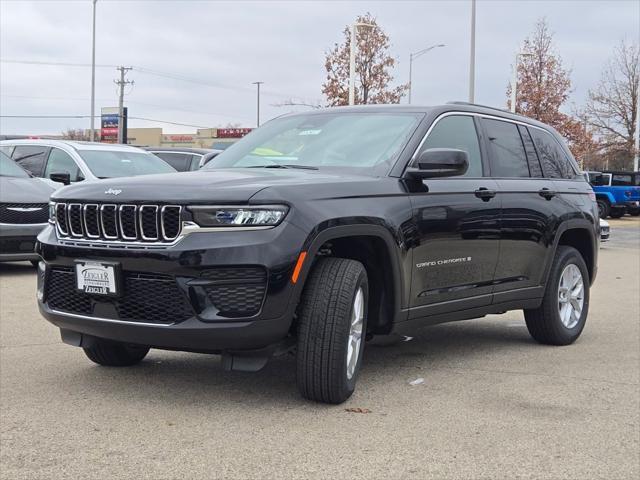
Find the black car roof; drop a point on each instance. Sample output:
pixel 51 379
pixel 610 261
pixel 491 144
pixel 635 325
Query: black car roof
pixel 450 106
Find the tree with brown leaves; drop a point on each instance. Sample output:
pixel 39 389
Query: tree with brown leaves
pixel 612 107
pixel 373 68
pixel 543 88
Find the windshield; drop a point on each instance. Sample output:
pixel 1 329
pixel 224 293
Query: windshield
pixel 357 140
pixel 121 163
pixel 9 168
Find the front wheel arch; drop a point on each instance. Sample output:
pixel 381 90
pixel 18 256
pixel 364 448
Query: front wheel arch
pixel 313 248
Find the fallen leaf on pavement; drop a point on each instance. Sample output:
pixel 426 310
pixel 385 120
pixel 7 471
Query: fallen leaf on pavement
pixel 357 410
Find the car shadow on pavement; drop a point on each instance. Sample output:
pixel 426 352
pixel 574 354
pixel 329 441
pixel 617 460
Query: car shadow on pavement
pixel 184 378
pixel 16 268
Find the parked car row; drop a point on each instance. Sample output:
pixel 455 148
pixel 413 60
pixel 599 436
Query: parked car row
pixel 32 169
pixel 617 193
pixel 185 159
pixel 24 211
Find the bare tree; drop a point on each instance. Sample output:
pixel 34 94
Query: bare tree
pixel 612 107
pixel 373 68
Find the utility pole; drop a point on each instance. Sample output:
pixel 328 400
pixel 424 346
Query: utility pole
pixel 121 84
pixel 636 156
pixel 93 75
pixel 257 84
pixel 472 53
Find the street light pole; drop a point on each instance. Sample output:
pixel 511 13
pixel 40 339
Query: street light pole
pixel 514 80
pixel 472 53
pixel 413 56
pixel 93 74
pixel 257 84
pixel 352 60
pixel 636 157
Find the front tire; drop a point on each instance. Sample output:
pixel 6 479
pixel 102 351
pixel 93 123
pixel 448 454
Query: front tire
pixel 603 208
pixel 115 354
pixel 332 325
pixel 563 313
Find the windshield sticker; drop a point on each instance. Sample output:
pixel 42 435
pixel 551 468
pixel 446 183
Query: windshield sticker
pixel 309 132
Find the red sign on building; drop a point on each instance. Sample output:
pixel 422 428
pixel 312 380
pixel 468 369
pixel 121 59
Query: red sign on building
pixel 232 132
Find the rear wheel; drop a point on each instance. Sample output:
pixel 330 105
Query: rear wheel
pixel 115 354
pixel 563 313
pixel 603 208
pixel 634 212
pixel 331 330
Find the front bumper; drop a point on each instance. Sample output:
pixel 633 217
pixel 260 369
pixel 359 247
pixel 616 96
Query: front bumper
pixel 190 264
pixel 17 242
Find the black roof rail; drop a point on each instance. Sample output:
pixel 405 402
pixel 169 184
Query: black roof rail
pixel 503 110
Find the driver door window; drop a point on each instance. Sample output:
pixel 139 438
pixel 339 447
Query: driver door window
pixel 459 132
pixel 61 162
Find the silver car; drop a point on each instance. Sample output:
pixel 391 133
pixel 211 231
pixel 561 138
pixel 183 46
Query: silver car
pixel 24 211
pixel 68 161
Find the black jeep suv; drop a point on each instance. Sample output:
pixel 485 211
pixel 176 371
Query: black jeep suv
pixel 320 230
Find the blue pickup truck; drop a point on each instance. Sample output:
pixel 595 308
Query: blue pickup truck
pixel 617 193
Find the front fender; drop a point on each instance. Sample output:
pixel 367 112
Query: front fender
pixel 329 231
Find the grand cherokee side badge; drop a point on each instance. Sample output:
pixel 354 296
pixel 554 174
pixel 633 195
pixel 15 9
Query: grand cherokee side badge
pixel 443 261
pixel 112 191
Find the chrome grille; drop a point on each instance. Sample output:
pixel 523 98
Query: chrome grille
pixel 118 223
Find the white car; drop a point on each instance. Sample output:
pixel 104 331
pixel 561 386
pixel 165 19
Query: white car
pixel 67 161
pixel 604 230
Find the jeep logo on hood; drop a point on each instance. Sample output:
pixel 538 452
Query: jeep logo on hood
pixel 112 191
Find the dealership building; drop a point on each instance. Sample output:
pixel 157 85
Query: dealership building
pixel 203 138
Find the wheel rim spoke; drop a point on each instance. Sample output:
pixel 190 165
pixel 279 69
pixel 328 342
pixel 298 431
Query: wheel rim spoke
pixel 354 340
pixel 570 296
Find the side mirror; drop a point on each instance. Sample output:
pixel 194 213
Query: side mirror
pixel 439 162
pixel 61 177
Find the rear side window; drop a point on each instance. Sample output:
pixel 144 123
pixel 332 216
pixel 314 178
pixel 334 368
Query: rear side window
pixel 457 131
pixel 179 161
pixel 555 162
pixel 508 157
pixel 621 179
pixel 532 157
pixel 31 157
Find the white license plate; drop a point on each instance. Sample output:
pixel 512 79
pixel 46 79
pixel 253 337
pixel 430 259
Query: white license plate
pixel 96 278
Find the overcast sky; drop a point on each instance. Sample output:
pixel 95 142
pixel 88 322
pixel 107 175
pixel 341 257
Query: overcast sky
pixel 225 46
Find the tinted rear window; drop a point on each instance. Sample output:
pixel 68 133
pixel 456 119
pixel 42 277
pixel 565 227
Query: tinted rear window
pixel 555 162
pixel 31 158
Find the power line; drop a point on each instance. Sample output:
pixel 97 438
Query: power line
pixel 58 64
pixel 131 102
pixel 98 116
pixel 158 73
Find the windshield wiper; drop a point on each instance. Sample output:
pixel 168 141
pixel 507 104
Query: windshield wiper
pixel 286 165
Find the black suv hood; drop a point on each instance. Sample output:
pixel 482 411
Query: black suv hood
pixel 24 190
pixel 227 186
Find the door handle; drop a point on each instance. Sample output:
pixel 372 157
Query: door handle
pixel 546 193
pixel 485 194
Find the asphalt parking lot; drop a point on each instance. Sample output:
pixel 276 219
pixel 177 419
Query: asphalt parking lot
pixel 493 403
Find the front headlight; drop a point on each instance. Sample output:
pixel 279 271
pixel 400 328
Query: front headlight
pixel 52 213
pixel 221 216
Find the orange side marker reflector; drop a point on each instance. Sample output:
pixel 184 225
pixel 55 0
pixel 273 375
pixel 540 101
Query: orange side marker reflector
pixel 296 271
